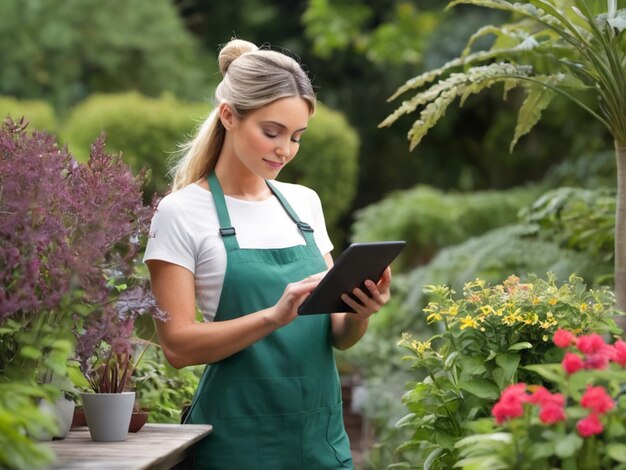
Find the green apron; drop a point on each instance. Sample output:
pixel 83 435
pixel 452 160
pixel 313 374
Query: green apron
pixel 276 404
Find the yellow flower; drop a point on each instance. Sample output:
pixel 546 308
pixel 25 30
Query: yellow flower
pixel 487 309
pixel 583 307
pixel 552 301
pixel 531 318
pixel 433 317
pixel 454 310
pixel 468 322
pixel 422 347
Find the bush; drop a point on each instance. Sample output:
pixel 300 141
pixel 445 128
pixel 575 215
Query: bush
pixel 429 219
pixel 146 130
pixel 39 114
pixel 327 162
pixel 496 254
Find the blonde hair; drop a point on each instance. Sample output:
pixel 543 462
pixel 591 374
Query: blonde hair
pixel 252 78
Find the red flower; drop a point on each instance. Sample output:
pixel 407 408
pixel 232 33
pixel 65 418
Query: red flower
pixel 510 404
pixel 551 413
pixel 619 353
pixel 572 363
pixel 590 344
pixel 543 397
pixel 589 426
pixel 597 400
pixel 599 360
pixel 564 338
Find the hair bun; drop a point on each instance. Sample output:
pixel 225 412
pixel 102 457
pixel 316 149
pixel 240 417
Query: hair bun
pixel 233 49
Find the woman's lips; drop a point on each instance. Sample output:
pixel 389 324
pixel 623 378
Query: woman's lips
pixel 274 164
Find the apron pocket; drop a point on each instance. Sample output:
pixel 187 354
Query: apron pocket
pixel 337 438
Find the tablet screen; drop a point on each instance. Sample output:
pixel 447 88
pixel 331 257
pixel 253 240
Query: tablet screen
pixel 360 261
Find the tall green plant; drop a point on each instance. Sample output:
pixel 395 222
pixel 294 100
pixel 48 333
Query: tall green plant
pixel 571 48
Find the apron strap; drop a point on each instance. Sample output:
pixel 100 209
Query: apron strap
pixel 227 231
pixel 306 229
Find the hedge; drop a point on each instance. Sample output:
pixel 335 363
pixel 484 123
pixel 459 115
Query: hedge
pixel 39 114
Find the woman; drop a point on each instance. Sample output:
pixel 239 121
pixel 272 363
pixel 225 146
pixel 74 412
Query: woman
pixel 247 250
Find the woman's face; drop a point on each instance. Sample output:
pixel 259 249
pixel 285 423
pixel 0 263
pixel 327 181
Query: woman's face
pixel 268 138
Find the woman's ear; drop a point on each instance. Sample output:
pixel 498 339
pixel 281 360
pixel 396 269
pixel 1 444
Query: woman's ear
pixel 226 115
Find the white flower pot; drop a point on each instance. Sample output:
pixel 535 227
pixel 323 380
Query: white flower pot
pixel 63 410
pixel 108 415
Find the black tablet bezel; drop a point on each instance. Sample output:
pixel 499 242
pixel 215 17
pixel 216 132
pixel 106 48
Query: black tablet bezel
pixel 359 262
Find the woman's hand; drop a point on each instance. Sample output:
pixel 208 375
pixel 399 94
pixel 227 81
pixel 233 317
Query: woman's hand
pixel 348 328
pixel 286 309
pixel 369 304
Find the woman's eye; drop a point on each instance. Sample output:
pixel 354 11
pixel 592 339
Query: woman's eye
pixel 296 141
pixel 271 135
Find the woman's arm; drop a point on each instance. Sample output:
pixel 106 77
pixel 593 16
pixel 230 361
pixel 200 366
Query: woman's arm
pixel 349 328
pixel 188 342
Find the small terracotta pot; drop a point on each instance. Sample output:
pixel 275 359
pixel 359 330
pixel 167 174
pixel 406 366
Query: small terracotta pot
pixel 78 420
pixel 137 420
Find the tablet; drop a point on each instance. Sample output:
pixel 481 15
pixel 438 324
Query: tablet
pixel 360 262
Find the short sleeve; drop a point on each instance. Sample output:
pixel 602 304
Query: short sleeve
pixel 170 238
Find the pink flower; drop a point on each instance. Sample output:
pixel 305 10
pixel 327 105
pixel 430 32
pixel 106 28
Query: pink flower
pixel 619 353
pixel 597 400
pixel 589 426
pixel 551 413
pixel 564 338
pixel 590 344
pixel 510 404
pixel 543 397
pixel 572 363
pixel 599 360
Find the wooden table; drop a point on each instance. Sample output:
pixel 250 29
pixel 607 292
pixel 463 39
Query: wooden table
pixel 156 446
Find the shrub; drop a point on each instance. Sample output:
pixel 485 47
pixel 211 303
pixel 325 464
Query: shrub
pixel 430 219
pixel 39 114
pixel 146 130
pixel 487 337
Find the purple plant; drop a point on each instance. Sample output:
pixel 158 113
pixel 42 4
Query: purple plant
pixel 70 236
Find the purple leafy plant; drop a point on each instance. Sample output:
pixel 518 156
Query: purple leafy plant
pixel 70 239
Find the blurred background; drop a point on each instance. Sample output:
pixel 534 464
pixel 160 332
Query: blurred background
pixel 144 73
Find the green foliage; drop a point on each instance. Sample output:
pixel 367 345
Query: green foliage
pixel 430 219
pixel 39 114
pixel 577 219
pixel 21 422
pixel 590 58
pixel 337 25
pixel 327 161
pixel 146 130
pixel 486 338
pixel 63 50
pixel 162 390
pixel 496 254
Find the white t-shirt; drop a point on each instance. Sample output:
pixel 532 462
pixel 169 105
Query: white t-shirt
pixel 185 231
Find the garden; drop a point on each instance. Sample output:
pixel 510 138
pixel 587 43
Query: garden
pixel 488 134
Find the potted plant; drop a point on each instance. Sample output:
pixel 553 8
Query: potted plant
pixel 106 353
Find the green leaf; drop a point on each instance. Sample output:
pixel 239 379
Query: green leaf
pixel 568 446
pixel 30 352
pixel 519 346
pixel 537 100
pixel 482 388
pixel 617 452
pixel 509 363
pixel 431 458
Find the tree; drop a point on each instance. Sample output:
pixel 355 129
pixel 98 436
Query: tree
pixel 63 50
pixel 570 48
